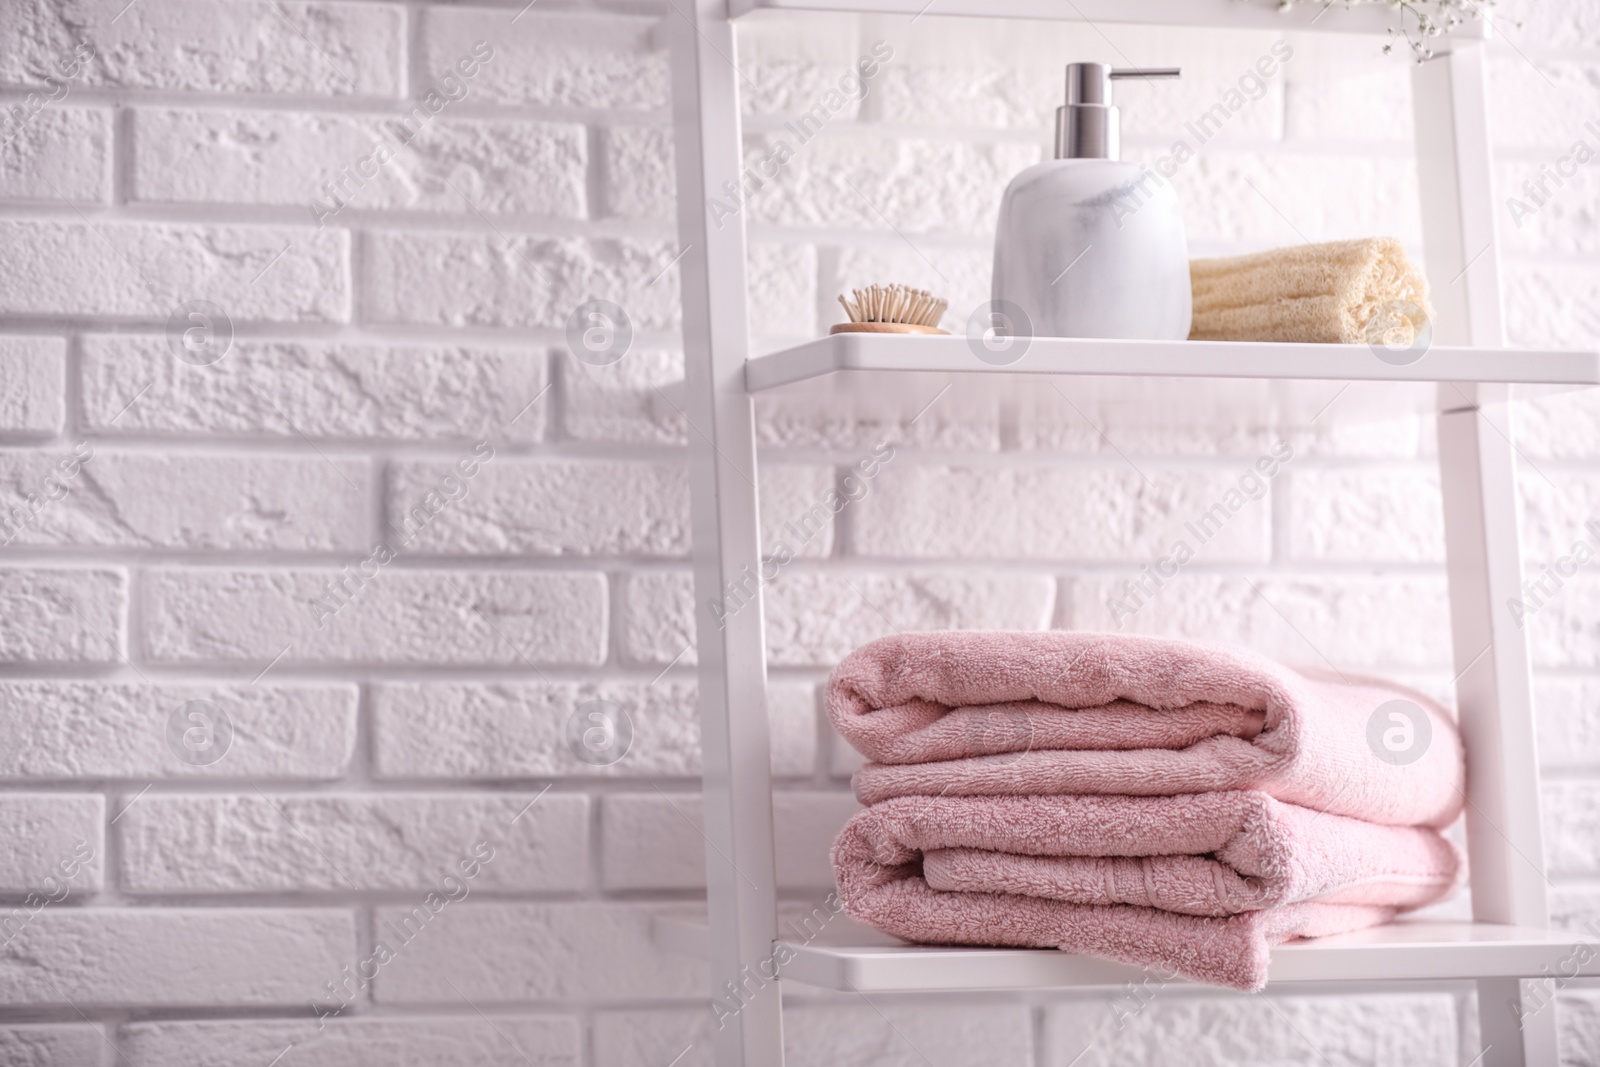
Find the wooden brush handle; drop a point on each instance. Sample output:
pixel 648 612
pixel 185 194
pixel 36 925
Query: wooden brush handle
pixel 883 327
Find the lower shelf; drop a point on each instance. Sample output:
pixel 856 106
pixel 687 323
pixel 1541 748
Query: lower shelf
pixel 848 958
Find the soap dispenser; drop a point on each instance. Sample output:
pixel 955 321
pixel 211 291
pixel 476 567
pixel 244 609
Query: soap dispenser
pixel 1089 245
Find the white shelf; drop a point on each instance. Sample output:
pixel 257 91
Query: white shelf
pixel 1159 383
pixel 850 958
pixel 1218 386
pixel 1228 14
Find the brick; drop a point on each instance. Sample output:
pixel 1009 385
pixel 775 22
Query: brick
pixel 534 952
pixel 175 957
pixel 1540 105
pixel 1398 620
pixel 1536 25
pixel 1557 506
pixel 1419 1028
pixel 1560 426
pixel 72 730
pixel 565 60
pixel 1403 437
pixel 1362 514
pixel 638 173
pixel 928 512
pixel 1567 712
pixel 55 615
pixel 654 840
pixel 1575 909
pixel 953 1034
pixel 1342 89
pixel 1047 422
pixel 1578 1026
pixel 545 508
pixel 790 496
pixel 310 49
pixel 32 401
pixel 1564 627
pixel 262 843
pixel 984 95
pixel 50 842
pixel 658 618
pixel 1552 306
pixel 517 281
pixel 900 183
pixel 61 153
pixel 921 419
pixel 326 163
pixel 782 285
pixel 815 619
pixel 1571 817
pixel 188 501
pixel 792 723
pixel 404 616
pixel 963 1034
pixel 51 1045
pixel 988 87
pixel 289 388
pixel 778 87
pixel 623 401
pixel 414 1041
pixel 475 730
pixel 501 167
pixel 1296 198
pixel 150 269
pixel 537 507
pixel 784 73
pixel 1560 217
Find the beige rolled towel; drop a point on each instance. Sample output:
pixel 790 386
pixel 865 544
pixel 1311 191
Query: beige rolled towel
pixel 1325 293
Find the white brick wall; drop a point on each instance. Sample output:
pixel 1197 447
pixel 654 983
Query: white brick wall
pixel 34 371
pixel 210 878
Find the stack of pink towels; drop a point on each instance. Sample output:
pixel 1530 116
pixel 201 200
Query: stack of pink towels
pixel 1156 802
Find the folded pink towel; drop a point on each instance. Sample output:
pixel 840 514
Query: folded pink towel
pixel 1231 951
pixel 962 713
pixel 1199 854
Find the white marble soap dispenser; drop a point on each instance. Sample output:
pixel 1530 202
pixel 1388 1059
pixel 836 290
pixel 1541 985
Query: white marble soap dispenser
pixel 1088 245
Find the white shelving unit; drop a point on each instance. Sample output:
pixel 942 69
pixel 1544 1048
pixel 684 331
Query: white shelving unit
pixel 1465 378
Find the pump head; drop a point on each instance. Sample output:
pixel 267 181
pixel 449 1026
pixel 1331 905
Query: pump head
pixel 1088 126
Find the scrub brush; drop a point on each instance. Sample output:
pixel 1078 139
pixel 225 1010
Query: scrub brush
pixel 891 309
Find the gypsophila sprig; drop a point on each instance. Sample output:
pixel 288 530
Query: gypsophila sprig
pixel 1421 21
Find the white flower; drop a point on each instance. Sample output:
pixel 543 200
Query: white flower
pixel 1419 19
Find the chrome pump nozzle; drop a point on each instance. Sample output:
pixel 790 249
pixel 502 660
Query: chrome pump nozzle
pixel 1088 126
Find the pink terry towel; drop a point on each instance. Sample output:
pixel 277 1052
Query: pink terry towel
pixel 986 713
pixel 1198 854
pixel 1200 886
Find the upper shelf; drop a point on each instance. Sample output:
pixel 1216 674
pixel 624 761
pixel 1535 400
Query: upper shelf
pixel 1157 383
pixel 1230 14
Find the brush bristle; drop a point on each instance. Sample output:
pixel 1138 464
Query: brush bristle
pixel 894 303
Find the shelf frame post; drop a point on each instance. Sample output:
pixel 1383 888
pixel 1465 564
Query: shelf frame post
pixel 1483 554
pixel 736 753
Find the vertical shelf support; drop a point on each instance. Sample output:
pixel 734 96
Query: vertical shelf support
pixel 737 760
pixel 1478 479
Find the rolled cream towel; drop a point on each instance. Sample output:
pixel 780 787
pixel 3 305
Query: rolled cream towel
pixel 1326 293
